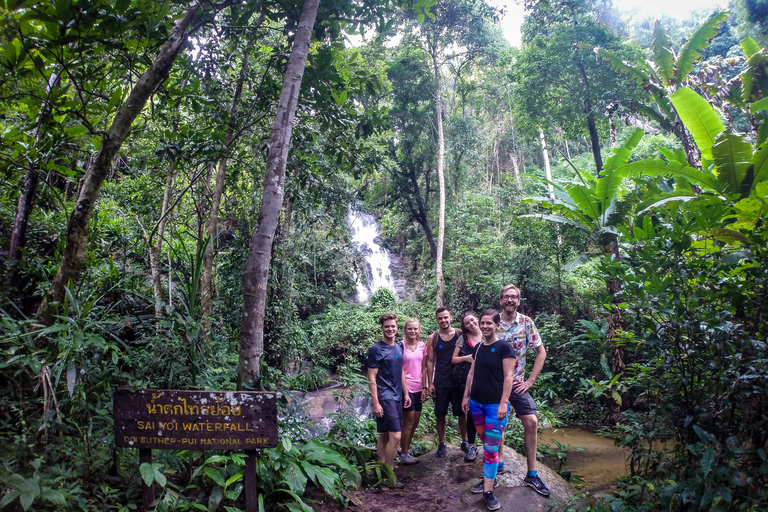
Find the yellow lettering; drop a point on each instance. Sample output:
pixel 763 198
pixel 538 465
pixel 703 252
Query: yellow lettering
pixel 186 426
pixel 248 427
pixel 208 426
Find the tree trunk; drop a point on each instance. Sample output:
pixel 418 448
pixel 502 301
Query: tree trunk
pixel 155 250
pixel 593 136
pixel 516 171
pixel 257 270
pixel 206 289
pixel 75 251
pixel 28 190
pixel 420 214
pixel 441 183
pixel 547 168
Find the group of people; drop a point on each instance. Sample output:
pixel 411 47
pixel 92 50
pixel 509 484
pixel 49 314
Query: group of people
pixel 478 370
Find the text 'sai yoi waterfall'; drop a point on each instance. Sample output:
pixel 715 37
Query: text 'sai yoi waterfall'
pixel 365 232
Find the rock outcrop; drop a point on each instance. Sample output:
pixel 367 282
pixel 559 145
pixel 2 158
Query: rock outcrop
pixel 443 485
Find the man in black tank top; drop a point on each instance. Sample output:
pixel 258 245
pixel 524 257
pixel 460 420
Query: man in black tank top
pixel 442 387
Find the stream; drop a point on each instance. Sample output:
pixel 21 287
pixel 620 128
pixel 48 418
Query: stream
pixel 599 465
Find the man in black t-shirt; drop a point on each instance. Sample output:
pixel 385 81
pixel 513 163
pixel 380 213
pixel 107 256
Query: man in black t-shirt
pixel 386 381
pixel 443 388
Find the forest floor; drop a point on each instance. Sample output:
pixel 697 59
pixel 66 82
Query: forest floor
pixel 443 484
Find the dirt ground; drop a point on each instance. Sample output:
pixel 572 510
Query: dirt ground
pixel 443 484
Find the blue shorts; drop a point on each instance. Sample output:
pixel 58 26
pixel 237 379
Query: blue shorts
pixel 392 420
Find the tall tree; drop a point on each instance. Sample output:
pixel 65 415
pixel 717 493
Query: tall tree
pixel 456 27
pixel 260 253
pixel 556 78
pixel 75 251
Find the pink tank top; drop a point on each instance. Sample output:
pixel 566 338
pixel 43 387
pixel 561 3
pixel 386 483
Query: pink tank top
pixel 412 362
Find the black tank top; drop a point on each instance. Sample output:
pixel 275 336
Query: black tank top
pixel 443 355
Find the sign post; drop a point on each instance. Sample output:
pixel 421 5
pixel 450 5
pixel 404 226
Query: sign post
pixel 196 420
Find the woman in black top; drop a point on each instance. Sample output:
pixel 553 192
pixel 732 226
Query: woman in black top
pixel 486 397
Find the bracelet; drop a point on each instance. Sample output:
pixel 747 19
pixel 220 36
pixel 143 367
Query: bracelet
pixel 369 383
pixel 424 388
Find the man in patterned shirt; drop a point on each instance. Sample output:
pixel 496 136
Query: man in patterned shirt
pixel 520 331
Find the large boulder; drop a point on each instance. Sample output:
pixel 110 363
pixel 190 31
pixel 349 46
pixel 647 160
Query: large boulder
pixel 443 484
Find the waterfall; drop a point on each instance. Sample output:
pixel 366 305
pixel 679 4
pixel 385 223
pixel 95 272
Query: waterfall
pixel 365 233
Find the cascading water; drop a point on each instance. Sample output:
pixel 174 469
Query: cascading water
pixel 365 232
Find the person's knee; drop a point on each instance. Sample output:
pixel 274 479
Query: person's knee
pixel 530 422
pixel 395 437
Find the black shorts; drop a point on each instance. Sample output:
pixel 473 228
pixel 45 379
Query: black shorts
pixel 392 421
pixel 522 404
pixel 445 396
pixel 415 402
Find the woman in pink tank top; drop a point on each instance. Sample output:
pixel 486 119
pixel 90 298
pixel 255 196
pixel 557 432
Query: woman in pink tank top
pixel 415 369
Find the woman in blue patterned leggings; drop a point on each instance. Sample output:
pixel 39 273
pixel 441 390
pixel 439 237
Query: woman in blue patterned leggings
pixel 485 397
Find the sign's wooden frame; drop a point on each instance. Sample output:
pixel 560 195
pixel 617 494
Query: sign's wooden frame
pixel 169 419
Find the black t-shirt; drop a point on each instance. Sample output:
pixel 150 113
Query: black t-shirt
pixel 388 359
pixel 443 356
pixel 488 379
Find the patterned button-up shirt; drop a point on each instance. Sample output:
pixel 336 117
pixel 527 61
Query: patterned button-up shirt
pixel 522 335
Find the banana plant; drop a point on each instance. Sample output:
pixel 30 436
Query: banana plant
pixel 666 73
pixel 735 168
pixel 592 204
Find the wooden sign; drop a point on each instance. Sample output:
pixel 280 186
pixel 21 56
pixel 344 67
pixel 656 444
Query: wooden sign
pixel 195 420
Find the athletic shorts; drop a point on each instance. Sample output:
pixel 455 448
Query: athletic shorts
pixel 392 421
pixel 445 396
pixel 415 402
pixel 522 404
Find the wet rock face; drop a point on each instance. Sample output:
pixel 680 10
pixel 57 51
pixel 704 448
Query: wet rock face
pixel 443 484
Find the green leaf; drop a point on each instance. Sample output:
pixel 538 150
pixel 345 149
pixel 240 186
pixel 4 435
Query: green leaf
pixel 658 167
pixel 760 160
pixel 559 219
pixel 53 496
pixel 733 157
pixel 216 495
pixel 757 106
pixel 147 473
pixel 663 56
pixel 76 131
pixel 633 72
pixel 9 497
pixel 421 19
pixel 699 117
pixel 690 53
pixel 728 235
pixel 234 478
pixel 749 46
pixel 122 5
pixel 159 476
pixel 215 475
pixel 657 201
pixel 26 499
pixel 735 257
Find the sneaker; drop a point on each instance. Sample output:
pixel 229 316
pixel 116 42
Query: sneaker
pixel 490 501
pixel 465 446
pixel 407 459
pixel 500 469
pixel 471 454
pixel 442 450
pixel 535 483
pixel 479 488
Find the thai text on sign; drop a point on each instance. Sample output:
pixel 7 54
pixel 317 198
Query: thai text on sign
pixel 204 420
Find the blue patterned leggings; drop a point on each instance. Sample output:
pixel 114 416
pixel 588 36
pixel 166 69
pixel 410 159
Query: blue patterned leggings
pixel 491 431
